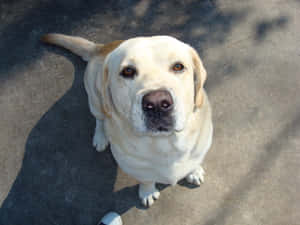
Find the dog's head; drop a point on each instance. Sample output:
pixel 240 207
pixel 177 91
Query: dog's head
pixel 154 83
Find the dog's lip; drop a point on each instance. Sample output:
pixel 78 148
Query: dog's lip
pixel 169 131
pixel 178 130
pixel 159 133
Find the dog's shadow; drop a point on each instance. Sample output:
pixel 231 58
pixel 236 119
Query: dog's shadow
pixel 63 180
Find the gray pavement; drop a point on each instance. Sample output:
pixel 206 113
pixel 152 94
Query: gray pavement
pixel 49 171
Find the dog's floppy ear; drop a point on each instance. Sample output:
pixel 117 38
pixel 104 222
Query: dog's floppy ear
pixel 97 84
pixel 102 82
pixel 199 77
pixel 102 85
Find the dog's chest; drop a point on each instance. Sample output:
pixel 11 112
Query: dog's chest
pixel 157 161
pixel 161 159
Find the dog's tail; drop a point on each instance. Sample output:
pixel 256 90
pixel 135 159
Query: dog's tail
pixel 79 46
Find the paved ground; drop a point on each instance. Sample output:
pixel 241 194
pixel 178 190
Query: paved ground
pixel 49 172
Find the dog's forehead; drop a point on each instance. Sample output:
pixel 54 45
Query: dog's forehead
pixel 152 46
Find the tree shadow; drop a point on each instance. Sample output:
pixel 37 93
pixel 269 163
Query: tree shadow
pixel 199 24
pixel 265 27
pixel 33 18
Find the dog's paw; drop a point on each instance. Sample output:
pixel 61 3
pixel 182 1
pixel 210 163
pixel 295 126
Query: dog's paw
pixel 148 194
pixel 100 142
pixel 196 177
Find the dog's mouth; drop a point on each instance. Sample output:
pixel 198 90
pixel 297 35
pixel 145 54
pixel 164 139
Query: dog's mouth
pixel 161 130
pixel 159 124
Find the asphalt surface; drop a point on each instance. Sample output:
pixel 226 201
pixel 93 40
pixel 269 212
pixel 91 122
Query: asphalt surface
pixel 49 171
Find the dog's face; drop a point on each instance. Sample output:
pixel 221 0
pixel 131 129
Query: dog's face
pixel 153 83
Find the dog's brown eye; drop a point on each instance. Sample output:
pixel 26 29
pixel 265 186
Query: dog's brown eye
pixel 128 72
pixel 177 67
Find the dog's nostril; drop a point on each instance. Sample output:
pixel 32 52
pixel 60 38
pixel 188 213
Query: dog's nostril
pixel 162 129
pixel 148 106
pixel 165 104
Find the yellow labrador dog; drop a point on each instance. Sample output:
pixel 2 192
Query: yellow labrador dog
pixel 148 99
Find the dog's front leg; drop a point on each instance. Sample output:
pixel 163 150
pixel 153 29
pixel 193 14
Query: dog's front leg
pixel 100 141
pixel 148 193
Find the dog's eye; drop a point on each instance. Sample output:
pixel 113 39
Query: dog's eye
pixel 178 67
pixel 128 72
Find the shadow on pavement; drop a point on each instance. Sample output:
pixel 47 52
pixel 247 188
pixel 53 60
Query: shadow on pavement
pixel 63 179
pixel 263 28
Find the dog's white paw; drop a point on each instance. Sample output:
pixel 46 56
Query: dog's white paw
pixel 148 194
pixel 100 142
pixel 196 177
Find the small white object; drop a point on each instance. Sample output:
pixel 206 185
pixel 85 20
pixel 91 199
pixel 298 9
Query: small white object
pixel 111 218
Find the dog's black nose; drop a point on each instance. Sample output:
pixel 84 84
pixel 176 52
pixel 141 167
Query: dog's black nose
pixel 158 106
pixel 157 101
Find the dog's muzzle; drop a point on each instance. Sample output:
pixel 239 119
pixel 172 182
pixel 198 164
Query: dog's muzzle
pixel 158 107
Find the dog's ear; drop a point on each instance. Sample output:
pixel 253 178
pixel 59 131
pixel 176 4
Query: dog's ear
pixel 97 80
pixel 199 77
pixel 104 90
pixel 92 72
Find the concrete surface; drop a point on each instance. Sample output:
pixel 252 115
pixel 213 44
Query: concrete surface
pixel 49 171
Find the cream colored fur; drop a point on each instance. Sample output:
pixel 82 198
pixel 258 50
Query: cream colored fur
pixel 116 104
